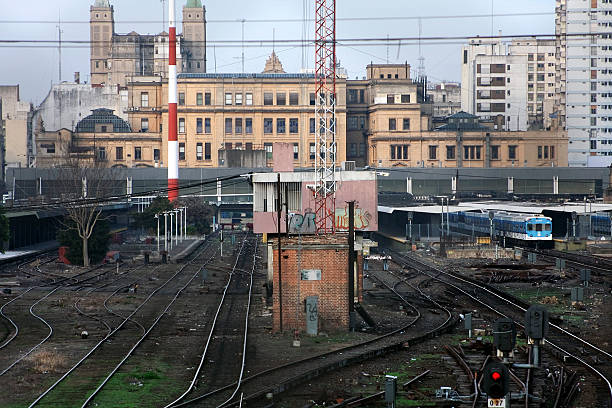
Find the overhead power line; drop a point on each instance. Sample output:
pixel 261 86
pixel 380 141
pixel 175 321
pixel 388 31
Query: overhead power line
pixel 299 20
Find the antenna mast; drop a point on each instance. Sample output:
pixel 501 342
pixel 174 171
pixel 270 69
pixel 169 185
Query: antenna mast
pixel 325 115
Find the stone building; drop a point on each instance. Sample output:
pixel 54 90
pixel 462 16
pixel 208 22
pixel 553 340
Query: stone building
pixel 446 99
pixel 117 57
pixel 16 115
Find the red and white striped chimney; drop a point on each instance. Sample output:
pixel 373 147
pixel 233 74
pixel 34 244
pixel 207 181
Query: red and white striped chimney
pixel 173 154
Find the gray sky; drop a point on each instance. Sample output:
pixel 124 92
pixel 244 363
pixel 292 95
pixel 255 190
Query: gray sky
pixel 36 68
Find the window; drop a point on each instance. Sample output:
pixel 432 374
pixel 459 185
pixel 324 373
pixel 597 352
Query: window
pixel 494 152
pixel 390 99
pixel 228 126
pixel 228 98
pixel 293 125
pixel 362 122
pixel 181 98
pixel 249 146
pixel 406 124
pixel 156 155
pixel 228 146
pixel 207 125
pixel 207 154
pixel 181 151
pixel 546 152
pixel 294 99
pixel 144 100
pixel 312 151
pixel 512 152
pixel 238 99
pixel 199 99
pixel 280 125
pixel 199 125
pixel 118 153
pixel 352 96
pixel 393 150
pixel 207 99
pixel 450 153
pixel 138 153
pixel 312 125
pixel 392 124
pixel 238 126
pixel 296 151
pixel 281 98
pixel 268 148
pixel 361 149
pixel 405 98
pixel 144 124
pixel 181 127
pixel 353 123
pixel 101 153
pixel 199 152
pixel 552 152
pixel 433 152
pixel 268 126
pixel 312 99
pixel 249 99
pixel 593 144
pixel 248 126
pixel 399 152
pixel 472 152
pixel 268 98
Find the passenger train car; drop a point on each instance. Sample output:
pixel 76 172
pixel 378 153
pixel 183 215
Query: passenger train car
pixel 520 228
pixel 600 224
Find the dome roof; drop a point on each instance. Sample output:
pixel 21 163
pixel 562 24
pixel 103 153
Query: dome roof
pixel 103 117
pixel 193 4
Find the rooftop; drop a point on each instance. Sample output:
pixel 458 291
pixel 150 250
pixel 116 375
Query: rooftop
pixel 103 116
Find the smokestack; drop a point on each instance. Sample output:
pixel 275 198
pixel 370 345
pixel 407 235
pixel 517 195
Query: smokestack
pixel 173 170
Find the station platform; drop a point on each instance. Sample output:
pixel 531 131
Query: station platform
pixel 27 252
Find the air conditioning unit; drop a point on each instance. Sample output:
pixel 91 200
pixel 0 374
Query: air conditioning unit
pixel 348 166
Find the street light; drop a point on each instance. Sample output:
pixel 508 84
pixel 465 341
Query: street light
pixel 166 231
pixel 176 230
pixel 157 218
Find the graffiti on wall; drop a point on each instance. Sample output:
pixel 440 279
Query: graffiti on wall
pixel 305 223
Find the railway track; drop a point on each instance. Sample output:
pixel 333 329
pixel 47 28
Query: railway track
pixel 598 265
pixel 278 379
pixel 567 344
pixel 224 354
pixel 116 346
pixel 32 319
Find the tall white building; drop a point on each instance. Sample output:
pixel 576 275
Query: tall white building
pixel 494 84
pixel 584 85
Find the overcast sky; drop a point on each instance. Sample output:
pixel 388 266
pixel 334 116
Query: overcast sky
pixel 34 69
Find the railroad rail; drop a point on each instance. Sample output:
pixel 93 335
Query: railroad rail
pixel 497 296
pixel 578 260
pixel 123 322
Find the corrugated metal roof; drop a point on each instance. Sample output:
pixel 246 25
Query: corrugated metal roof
pixel 423 209
pixel 531 208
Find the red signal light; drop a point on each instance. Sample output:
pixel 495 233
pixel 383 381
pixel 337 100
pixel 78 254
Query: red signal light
pixel 495 375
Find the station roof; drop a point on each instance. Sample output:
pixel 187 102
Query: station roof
pixel 509 206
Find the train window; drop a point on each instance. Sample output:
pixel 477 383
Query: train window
pixel 547 227
pixel 529 227
pixel 539 227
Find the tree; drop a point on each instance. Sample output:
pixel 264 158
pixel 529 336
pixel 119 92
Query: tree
pixel 97 244
pixel 199 213
pixel 85 179
pixel 4 229
pixel 146 219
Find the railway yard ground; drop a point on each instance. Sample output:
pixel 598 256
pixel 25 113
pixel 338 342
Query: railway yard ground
pixel 160 334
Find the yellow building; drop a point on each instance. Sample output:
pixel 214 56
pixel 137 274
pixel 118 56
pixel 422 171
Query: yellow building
pixel 464 142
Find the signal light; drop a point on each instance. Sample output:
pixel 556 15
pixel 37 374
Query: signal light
pixel 496 380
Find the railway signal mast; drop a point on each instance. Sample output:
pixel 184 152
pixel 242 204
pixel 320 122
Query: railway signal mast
pixel 325 116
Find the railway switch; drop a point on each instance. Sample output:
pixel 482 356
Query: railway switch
pixel 504 335
pixel 536 322
pixel 496 380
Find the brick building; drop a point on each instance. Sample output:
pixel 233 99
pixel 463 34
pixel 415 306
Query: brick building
pixel 314 266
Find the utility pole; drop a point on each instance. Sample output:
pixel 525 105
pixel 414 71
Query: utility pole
pixel 280 276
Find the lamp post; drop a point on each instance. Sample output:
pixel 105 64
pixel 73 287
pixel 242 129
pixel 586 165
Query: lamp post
pixel 166 231
pixel 176 230
pixel 157 218
pixel 185 222
pixel 171 213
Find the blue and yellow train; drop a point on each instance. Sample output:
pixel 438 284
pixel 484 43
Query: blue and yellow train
pixel 512 227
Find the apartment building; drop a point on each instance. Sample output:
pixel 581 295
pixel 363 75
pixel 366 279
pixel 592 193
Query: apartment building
pixel 584 85
pixel 16 115
pixel 494 84
pixel 541 80
pixel 446 99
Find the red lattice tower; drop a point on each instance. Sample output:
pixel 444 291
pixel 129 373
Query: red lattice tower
pixel 325 115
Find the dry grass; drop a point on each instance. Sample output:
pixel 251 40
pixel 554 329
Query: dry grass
pixel 47 361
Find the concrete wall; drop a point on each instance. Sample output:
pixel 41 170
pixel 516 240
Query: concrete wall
pixel 242 158
pixel 67 103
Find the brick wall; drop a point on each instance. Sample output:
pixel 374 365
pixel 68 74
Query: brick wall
pixel 332 289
